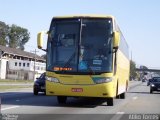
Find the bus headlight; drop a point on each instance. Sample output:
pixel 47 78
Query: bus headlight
pixel 99 80
pixel 52 79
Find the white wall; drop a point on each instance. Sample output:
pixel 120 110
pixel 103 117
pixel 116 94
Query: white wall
pixel 3 68
pixel 31 76
pixel 40 67
pixel 12 65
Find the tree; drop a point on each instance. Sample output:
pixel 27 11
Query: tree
pixel 133 73
pixel 18 37
pixel 4 29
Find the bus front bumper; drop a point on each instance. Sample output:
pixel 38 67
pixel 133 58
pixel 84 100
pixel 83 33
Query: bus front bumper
pixel 92 90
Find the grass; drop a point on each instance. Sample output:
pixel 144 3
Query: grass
pixel 9 86
pixel 16 81
pixel 6 88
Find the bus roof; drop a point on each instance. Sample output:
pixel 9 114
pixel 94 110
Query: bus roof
pixel 84 16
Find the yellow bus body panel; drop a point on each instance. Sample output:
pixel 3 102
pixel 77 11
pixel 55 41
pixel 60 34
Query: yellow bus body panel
pixel 84 82
pixel 85 16
pixel 97 90
pixel 123 68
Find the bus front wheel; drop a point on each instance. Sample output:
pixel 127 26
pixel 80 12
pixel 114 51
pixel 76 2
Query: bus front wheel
pixel 110 101
pixel 61 99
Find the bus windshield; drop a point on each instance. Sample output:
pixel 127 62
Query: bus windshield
pixel 81 45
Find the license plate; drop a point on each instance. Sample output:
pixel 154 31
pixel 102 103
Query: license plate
pixel 77 89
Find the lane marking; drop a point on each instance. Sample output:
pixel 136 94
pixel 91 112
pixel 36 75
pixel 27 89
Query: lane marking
pixel 120 112
pixel 134 98
pixel 7 108
pixel 117 116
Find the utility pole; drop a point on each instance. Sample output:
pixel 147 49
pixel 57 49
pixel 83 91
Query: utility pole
pixel 35 53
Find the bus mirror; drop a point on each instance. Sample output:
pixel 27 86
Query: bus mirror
pixel 116 38
pixel 40 36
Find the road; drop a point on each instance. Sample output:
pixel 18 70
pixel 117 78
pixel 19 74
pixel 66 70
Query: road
pixel 138 101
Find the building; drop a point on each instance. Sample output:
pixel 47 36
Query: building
pixel 20 65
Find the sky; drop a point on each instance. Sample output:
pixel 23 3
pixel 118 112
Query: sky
pixel 139 21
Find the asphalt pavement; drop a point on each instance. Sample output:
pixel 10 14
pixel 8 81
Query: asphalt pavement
pixel 138 103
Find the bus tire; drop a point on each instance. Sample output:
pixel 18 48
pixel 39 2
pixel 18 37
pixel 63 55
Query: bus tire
pixel 110 101
pixel 122 95
pixel 61 99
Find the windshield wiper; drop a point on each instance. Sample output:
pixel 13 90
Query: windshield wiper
pixel 68 62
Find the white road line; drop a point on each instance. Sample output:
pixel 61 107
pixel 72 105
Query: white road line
pixel 7 108
pixel 117 116
pixel 120 112
pixel 134 98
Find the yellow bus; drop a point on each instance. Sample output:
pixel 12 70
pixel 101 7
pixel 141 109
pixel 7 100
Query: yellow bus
pixel 87 56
